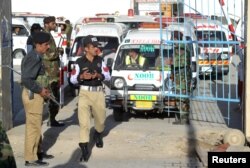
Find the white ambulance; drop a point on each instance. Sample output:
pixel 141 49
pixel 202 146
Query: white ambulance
pixel 143 89
pixel 214 47
pixel 109 35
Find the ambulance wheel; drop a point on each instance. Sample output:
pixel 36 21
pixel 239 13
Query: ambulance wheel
pixel 18 54
pixel 118 114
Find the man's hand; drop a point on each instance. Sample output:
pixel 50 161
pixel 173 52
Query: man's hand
pixel 96 75
pixel 45 93
pixel 85 75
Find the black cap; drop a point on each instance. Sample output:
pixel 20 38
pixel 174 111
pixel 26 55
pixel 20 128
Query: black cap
pixel 90 39
pixel 41 37
pixel 49 19
pixel 36 26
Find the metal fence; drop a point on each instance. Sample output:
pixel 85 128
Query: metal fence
pixel 212 32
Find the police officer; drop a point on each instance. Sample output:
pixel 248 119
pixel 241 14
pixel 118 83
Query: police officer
pixel 51 62
pixel 34 92
pixel 68 32
pixel 90 72
pixel 182 77
pixel 34 28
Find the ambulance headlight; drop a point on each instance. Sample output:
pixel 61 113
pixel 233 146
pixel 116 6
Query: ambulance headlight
pixel 119 83
pixel 224 56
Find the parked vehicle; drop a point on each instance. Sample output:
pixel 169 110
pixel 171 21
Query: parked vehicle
pixel 109 35
pixel 138 89
pixel 20 33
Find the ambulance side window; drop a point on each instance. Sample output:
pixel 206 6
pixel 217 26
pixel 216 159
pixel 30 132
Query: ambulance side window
pixel 119 61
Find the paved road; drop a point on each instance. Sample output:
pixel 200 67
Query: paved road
pixel 141 141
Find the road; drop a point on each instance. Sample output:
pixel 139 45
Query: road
pixel 140 141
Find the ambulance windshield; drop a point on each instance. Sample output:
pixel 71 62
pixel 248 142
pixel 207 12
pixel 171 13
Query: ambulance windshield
pixel 142 56
pixel 217 38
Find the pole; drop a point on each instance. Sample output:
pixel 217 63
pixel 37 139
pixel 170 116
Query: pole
pixel 247 78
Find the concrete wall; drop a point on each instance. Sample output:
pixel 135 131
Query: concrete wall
pixel 5 60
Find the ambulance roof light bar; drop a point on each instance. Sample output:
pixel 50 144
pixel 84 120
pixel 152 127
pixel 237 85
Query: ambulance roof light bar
pixel 166 19
pixel 150 25
pixel 155 13
pixel 94 19
pixel 195 16
pixel 103 14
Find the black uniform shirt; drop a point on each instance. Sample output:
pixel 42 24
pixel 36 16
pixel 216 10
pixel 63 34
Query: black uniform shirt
pixel 85 64
pixel 31 67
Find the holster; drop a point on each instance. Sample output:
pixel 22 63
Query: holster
pixel 31 95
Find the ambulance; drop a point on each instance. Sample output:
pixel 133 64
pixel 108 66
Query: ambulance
pixel 109 35
pixel 214 47
pixel 136 89
pixel 19 40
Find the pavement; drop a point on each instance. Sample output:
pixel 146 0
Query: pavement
pixel 128 144
pixel 137 143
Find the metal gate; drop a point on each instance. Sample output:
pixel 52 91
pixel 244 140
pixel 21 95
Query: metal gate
pixel 213 35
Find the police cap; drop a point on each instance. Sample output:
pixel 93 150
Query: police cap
pixel 90 39
pixel 49 19
pixel 41 37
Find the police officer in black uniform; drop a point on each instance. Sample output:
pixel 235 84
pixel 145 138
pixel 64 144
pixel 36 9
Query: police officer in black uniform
pixel 90 71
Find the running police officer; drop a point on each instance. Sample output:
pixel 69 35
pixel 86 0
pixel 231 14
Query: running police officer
pixel 90 72
pixel 51 61
pixel 34 92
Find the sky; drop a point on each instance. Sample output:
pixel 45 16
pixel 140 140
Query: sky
pixel 72 9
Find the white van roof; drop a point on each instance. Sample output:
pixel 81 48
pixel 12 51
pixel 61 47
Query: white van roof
pixel 186 28
pixel 103 29
pixel 212 25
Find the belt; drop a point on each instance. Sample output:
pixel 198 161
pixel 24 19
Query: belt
pixel 92 88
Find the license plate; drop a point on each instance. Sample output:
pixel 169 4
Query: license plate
pixel 206 69
pixel 143 97
pixel 143 104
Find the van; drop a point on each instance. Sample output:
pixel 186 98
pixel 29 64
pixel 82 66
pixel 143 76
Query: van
pixel 138 89
pixel 109 35
pixel 20 34
pixel 214 47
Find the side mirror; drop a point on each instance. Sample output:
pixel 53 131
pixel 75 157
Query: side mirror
pixel 110 62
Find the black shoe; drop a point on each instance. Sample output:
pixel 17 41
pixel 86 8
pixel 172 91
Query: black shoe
pixel 98 139
pixel 55 124
pixel 85 151
pixel 36 163
pixel 42 155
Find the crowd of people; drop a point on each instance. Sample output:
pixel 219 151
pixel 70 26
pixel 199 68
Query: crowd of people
pixel 40 81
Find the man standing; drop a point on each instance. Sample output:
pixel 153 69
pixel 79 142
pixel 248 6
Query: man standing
pixel 34 92
pixel 90 72
pixel 34 28
pixel 182 77
pixel 51 62
pixel 68 32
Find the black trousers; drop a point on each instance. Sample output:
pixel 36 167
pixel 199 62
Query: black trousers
pixel 53 107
